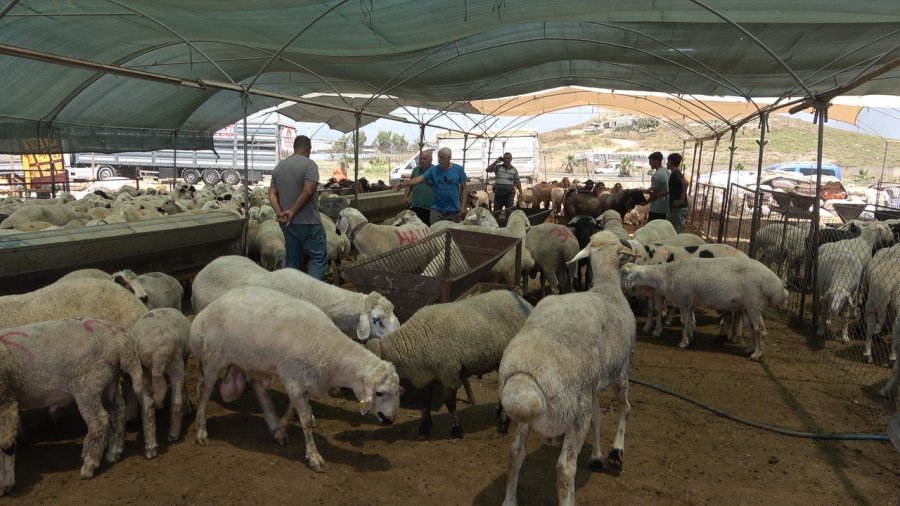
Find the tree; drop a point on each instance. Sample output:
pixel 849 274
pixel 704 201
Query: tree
pixel 398 142
pixel 383 141
pixel 569 163
pixel 625 166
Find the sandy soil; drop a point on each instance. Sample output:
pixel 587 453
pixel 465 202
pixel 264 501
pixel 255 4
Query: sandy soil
pixel 676 453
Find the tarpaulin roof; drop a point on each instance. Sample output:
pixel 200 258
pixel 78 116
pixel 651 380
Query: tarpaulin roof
pixel 694 115
pixel 140 74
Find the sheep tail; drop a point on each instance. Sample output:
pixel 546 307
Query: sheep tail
pixel 522 398
pixel 130 362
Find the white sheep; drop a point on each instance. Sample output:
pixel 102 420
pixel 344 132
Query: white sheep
pixel 572 348
pixel 638 216
pixel 57 215
pixel 97 298
pixel 373 239
pixel 883 297
pixel 611 221
pixel 49 364
pixel 478 216
pixel 842 265
pixel 161 337
pixel 552 246
pixel 356 314
pixel 126 278
pixel 337 246
pixel 738 285
pixel 270 244
pixel 781 247
pixel 654 231
pixel 162 290
pixel 258 331
pixel 446 343
pixel 556 200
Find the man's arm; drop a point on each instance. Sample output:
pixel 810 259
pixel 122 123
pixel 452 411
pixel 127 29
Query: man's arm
pixel 309 189
pixel 463 195
pixel 409 182
pixel 493 166
pixel 273 200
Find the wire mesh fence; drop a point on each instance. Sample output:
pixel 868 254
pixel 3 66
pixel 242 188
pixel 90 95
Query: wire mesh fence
pixel 843 277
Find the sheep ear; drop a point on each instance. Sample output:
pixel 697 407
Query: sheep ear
pixel 364 328
pixel 585 253
pixel 341 226
pixel 119 280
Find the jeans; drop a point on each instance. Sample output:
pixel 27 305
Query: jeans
pixel 423 214
pixel 507 201
pixel 677 216
pixel 656 216
pixel 306 238
pixel 437 216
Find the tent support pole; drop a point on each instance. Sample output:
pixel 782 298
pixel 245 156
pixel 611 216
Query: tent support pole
pixel 821 116
pixel 245 102
pixel 757 196
pixel 723 215
pixel 695 174
pixel 709 189
pixel 356 161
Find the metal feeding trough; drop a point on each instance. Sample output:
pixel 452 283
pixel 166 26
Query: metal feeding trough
pixel 848 211
pixel 535 216
pixel 439 268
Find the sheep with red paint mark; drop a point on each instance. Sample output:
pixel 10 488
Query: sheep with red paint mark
pixel 49 364
pixel 373 239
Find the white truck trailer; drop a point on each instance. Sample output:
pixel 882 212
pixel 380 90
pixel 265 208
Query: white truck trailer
pixel 268 144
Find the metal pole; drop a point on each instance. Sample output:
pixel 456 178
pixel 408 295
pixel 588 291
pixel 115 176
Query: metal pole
pixel 709 186
pixel 695 173
pixel 421 138
pixel 465 148
pixel 245 101
pixel 52 165
pixel 821 116
pixel 723 216
pixel 174 160
pixel 881 178
pixel 757 195
pixel 356 161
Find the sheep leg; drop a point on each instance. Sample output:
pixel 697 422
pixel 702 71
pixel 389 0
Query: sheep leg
pixel 175 372
pixel 726 322
pixel 567 464
pixel 649 323
pixel 456 430
pixel 872 328
pixel 687 330
pixel 552 282
pixel 206 387
pixel 659 303
pixel 148 417
pixel 268 409
pixel 470 395
pixel 596 463
pixel 97 420
pixel 617 454
pixel 304 411
pixel 516 456
pixel 117 422
pixel 759 334
pixel 502 419
pixel 425 426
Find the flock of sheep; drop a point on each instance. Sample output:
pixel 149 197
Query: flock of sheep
pixel 253 321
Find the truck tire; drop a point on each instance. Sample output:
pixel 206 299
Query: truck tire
pixel 106 172
pixel 231 176
pixel 211 176
pixel 191 176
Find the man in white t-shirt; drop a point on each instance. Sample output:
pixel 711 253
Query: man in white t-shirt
pixel 659 188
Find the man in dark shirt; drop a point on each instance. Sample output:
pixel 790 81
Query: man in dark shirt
pixel 678 204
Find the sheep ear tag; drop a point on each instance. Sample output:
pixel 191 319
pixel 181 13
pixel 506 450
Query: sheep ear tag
pixel 363 329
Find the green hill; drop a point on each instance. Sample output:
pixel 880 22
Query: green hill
pixel 789 139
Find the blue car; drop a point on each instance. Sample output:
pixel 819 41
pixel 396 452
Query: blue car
pixel 807 168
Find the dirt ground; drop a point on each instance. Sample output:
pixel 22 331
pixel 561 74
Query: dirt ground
pixel 676 453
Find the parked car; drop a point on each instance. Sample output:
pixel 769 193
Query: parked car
pixel 807 168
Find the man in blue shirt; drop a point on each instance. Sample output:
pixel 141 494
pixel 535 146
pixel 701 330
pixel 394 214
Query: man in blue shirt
pixel 449 180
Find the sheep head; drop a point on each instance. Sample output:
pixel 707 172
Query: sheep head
pixel 381 392
pixel 377 317
pixel 603 242
pixel 406 216
pixel 480 216
pixel 349 218
pixel 128 279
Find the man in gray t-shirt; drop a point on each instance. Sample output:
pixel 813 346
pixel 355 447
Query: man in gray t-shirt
pixel 659 188
pixel 293 196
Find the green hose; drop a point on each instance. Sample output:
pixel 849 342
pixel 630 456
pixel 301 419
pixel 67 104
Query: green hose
pixel 758 425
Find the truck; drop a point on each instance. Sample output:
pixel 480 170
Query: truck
pixel 481 151
pixel 268 143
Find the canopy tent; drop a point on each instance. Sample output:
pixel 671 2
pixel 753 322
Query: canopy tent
pixel 692 116
pixel 374 108
pixel 112 75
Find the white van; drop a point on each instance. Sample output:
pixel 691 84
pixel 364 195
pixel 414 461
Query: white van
pixel 404 170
